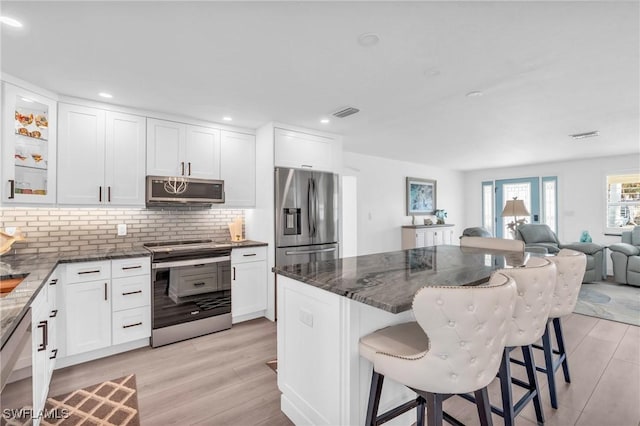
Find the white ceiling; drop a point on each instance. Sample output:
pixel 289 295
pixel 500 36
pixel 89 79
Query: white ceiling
pixel 547 70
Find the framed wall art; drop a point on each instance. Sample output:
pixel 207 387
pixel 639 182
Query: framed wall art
pixel 421 196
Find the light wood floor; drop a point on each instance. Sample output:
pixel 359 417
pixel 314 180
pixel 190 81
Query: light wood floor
pixel 222 379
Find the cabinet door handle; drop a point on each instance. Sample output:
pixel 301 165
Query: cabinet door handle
pixel 55 354
pixel 53 281
pixel 249 254
pixel 45 335
pixel 96 271
pixel 189 168
pixel 234 273
pixel 126 268
pixel 100 194
pixel 12 186
pixel 198 284
pixel 182 165
pixel 54 313
pixel 132 325
pixel 306 166
pixel 105 291
pixel 108 193
pixel 128 293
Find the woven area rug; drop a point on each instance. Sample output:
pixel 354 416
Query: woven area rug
pixel 615 302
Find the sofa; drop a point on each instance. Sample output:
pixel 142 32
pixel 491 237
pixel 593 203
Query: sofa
pixel 540 238
pixel 626 258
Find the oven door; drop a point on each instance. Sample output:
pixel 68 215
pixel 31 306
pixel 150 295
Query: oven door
pixel 185 291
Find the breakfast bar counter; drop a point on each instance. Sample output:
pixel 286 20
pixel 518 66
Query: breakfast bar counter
pixel 325 307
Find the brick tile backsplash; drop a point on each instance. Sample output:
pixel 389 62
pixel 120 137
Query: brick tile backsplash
pixel 71 230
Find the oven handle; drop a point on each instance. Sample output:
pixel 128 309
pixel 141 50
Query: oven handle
pixel 192 262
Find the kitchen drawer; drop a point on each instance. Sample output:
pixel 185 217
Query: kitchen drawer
pixel 130 267
pixel 131 292
pixel 131 324
pixel 192 284
pixel 88 271
pixel 248 254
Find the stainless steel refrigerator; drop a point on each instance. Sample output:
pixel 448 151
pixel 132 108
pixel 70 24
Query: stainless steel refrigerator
pixel 306 216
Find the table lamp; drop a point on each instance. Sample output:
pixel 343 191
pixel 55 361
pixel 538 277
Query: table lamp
pixel 514 208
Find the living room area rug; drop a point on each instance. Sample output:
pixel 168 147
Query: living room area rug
pixel 611 301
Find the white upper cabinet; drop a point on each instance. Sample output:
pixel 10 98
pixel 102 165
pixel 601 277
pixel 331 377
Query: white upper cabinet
pixel 81 155
pixel 125 159
pixel 101 157
pixel 29 125
pixel 202 153
pixel 238 168
pixel 177 149
pixel 165 145
pixel 301 150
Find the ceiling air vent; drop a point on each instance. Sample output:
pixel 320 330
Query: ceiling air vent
pixel 345 112
pixel 586 135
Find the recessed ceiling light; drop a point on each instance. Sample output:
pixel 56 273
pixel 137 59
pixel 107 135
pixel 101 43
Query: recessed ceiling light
pixel 432 72
pixel 586 135
pixel 325 121
pixel 368 39
pixel 474 94
pixel 105 95
pixel 27 100
pixel 10 22
pixel 227 118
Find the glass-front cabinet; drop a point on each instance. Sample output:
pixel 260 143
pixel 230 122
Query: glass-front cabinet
pixel 28 146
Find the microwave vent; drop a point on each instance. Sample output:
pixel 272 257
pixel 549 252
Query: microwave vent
pixel 345 112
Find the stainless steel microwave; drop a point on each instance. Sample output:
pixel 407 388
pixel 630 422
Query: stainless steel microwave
pixel 179 190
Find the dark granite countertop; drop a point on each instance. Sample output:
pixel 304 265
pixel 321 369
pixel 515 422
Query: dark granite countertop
pixel 14 305
pixel 390 280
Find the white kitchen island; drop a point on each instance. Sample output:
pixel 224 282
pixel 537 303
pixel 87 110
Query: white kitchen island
pixel 325 307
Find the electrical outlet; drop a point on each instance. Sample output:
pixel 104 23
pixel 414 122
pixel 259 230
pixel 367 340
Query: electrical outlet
pixel 122 229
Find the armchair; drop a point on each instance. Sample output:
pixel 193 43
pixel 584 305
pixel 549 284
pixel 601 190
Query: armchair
pixel 539 236
pixel 626 258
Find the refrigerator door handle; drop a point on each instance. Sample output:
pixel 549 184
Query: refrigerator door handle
pixel 293 252
pixel 309 219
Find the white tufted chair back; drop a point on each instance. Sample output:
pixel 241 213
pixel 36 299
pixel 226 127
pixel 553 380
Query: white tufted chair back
pixel 570 265
pixel 492 243
pixel 466 327
pixel 536 283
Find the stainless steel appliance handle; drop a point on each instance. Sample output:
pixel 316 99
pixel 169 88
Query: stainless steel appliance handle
pixel 309 207
pixel 315 208
pixel 192 262
pixel 327 250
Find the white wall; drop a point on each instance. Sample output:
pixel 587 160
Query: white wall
pixel 581 192
pixel 381 198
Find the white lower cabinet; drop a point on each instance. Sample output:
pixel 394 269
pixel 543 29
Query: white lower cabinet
pixel 114 309
pixel 248 283
pixel 88 316
pixel 426 236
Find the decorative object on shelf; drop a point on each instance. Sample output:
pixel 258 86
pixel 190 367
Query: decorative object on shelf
pixel 440 214
pixel 235 229
pixel 514 208
pixel 428 221
pixel 585 237
pixel 420 196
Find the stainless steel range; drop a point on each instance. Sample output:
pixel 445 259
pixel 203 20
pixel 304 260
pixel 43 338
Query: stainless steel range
pixel 191 289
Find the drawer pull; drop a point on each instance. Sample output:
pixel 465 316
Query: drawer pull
pixel 54 313
pixel 44 325
pixel 250 254
pixel 306 166
pixel 131 292
pixel 105 291
pixel 55 354
pixel 53 281
pixel 199 284
pixel 97 271
pixel 200 265
pixel 125 268
pixel 132 325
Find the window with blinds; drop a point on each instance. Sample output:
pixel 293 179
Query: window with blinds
pixel 623 200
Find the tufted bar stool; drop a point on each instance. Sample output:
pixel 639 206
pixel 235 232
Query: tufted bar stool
pixel 453 347
pixel 570 265
pixel 535 283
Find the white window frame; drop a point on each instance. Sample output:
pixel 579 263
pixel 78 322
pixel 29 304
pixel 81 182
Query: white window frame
pixel 617 230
